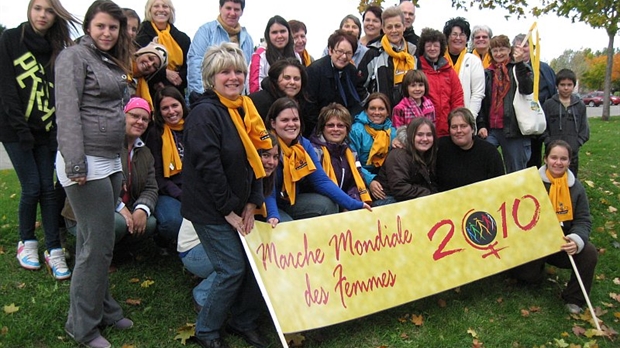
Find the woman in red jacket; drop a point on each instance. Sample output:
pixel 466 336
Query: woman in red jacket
pixel 445 88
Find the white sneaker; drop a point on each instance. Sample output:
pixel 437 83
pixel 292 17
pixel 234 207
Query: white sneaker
pixel 28 254
pixel 56 264
pixel 573 308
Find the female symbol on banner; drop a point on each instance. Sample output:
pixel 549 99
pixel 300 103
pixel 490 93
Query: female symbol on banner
pixel 480 229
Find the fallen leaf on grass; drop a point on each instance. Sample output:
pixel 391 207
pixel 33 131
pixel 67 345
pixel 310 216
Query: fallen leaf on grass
pixel 616 281
pixel 565 334
pixel 591 344
pixel 37 224
pixel 12 196
pixel 404 336
pixel 147 283
pixel 10 309
pixel 134 280
pixel 589 182
pixel 21 285
pixel 404 319
pixel 578 330
pixel 594 332
pixel 473 333
pixel 617 315
pixel 418 320
pixel 599 277
pixel 612 209
pixel 1 249
pixel 560 343
pixel 534 309
pixel 295 339
pixel 133 302
pixel 616 245
pixel 128 346
pixel 525 313
pixel 609 225
pixel 614 296
pixel 4 330
pixel 607 304
pixel 442 303
pixel 476 344
pixel 185 332
pixel 500 300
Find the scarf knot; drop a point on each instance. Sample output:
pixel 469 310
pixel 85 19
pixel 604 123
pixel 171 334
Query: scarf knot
pixel 251 130
pixel 559 194
pixel 380 145
pixel 403 61
pixel 297 164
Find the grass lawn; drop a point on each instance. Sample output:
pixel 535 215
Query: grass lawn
pixel 492 312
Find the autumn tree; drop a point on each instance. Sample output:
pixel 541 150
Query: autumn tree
pixel 576 61
pixel 365 3
pixel 596 13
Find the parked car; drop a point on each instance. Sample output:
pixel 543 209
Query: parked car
pixel 591 99
pixel 615 100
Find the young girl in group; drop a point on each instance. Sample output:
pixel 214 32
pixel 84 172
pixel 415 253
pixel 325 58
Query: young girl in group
pixel 409 172
pixel 91 91
pixel 28 124
pixel 416 102
pixel 570 201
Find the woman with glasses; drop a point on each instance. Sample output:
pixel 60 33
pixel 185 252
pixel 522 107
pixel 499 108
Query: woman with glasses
pixel 481 38
pixel 333 78
pixel 387 61
pixel 467 66
pixel 497 121
pixel 331 143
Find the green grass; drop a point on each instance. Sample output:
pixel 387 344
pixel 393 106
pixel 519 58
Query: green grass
pixel 492 307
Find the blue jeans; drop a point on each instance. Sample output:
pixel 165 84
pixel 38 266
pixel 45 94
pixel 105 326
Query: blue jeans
pixel 515 151
pixel 169 219
pixel 308 205
pixel 234 287
pixel 35 171
pixel 197 262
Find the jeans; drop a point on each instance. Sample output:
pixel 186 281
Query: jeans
pixel 234 287
pixel 35 171
pixel 515 151
pixel 169 219
pixel 197 262
pixel 308 205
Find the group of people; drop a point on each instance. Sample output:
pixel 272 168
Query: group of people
pixel 269 134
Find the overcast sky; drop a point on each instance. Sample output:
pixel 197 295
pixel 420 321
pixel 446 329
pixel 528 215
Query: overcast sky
pixel 322 17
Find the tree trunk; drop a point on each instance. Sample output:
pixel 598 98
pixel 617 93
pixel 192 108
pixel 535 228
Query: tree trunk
pixel 608 71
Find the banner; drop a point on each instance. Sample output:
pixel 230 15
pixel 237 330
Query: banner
pixel 326 270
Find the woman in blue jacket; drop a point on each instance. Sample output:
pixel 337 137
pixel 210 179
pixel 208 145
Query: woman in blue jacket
pixel 303 190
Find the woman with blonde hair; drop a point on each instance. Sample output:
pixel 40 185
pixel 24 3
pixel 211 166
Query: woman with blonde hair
pixel 221 162
pixel 159 23
pixel 28 124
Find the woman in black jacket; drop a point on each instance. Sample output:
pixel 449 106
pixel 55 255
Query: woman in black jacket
pixel 28 124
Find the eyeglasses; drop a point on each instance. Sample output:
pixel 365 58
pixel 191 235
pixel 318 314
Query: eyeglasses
pixel 341 53
pixel 137 118
pixel 336 125
pixel 498 50
pixel 457 35
pixel 481 37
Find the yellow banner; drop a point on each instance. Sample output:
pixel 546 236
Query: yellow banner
pixel 321 271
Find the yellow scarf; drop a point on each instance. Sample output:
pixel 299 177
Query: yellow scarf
pixel 233 32
pixel 359 182
pixel 297 164
pixel 380 145
pixel 251 130
pixel 169 152
pixel 403 61
pixel 559 194
pixel 175 53
pixel 459 61
pixel 262 210
pixel 305 58
pixel 486 60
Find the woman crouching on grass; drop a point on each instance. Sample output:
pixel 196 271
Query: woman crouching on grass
pixel 570 201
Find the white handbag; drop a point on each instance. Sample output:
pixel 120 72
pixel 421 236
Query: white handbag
pixel 530 115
